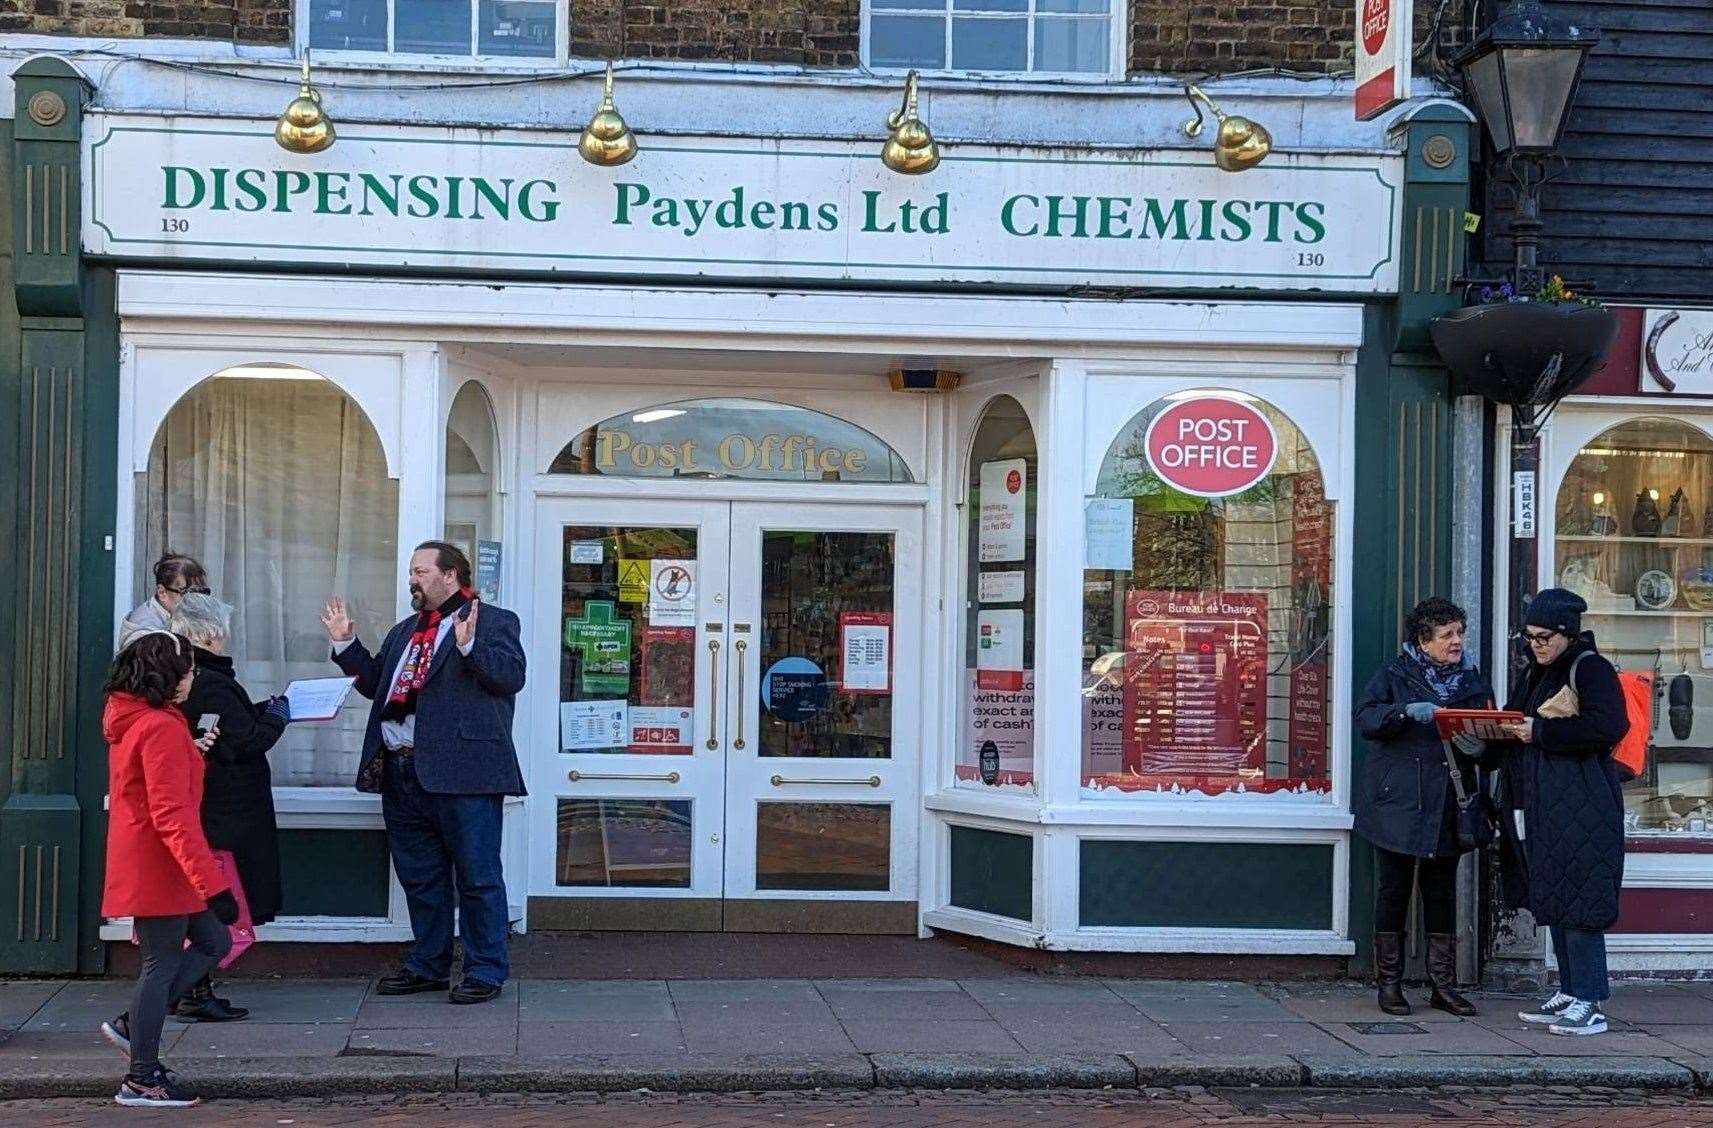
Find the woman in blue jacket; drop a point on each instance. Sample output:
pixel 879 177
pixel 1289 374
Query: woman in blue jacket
pixel 1405 804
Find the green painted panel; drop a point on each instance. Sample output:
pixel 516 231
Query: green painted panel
pixel 1205 884
pixel 334 872
pixel 38 881
pixel 993 872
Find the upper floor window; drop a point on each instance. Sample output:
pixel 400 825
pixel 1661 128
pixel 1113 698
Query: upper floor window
pixel 487 29
pixel 1040 36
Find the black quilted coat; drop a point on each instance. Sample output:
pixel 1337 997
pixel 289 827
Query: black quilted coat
pixel 1569 866
pixel 1404 800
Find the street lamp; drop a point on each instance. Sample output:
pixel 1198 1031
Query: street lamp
pixel 1522 73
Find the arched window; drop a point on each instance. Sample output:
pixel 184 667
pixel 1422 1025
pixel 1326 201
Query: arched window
pixel 731 438
pixel 1207 604
pixel 472 484
pixel 998 741
pixel 1634 537
pixel 276 481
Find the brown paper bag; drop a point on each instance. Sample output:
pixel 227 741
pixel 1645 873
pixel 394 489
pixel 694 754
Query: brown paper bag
pixel 1564 703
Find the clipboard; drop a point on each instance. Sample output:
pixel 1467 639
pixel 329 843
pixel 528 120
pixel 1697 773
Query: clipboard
pixel 1482 724
pixel 318 699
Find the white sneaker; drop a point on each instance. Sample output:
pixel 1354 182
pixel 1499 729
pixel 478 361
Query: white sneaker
pixel 1580 1018
pixel 1548 1012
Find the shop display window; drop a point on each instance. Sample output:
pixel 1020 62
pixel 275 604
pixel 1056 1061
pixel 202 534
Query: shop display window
pixel 1634 537
pixel 276 481
pixel 1207 606
pixel 731 438
pixel 996 743
pixel 472 486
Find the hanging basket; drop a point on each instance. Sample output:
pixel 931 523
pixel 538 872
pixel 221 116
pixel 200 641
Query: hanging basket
pixel 1524 354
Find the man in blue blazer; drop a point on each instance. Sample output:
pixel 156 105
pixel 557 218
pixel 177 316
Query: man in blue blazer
pixel 439 750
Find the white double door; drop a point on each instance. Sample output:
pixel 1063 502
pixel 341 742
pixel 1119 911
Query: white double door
pixel 736 714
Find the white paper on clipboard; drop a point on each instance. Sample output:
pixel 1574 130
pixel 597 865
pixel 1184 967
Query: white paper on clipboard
pixel 317 699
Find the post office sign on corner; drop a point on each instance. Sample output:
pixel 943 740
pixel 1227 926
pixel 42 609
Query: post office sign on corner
pixel 1211 446
pixel 1382 56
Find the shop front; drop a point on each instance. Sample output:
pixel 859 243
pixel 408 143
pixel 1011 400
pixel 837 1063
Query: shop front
pixel 1627 522
pixel 974 553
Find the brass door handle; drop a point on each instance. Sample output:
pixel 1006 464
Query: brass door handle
pixel 713 693
pixel 579 777
pixel 871 781
pixel 737 741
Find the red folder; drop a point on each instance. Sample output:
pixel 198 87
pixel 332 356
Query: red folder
pixel 1480 723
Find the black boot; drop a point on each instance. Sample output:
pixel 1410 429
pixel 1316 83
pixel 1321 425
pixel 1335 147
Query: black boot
pixel 1389 971
pixel 199 1004
pixel 1442 973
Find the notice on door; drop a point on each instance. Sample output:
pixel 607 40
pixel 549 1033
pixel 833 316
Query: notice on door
pixel 1003 502
pixel 634 581
pixel 659 731
pixel 1001 587
pixel 587 725
pixel 865 643
pixel 1004 719
pixel 603 646
pixel 999 649
pixel 672 593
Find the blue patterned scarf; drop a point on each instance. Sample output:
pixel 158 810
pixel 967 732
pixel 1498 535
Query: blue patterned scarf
pixel 1444 678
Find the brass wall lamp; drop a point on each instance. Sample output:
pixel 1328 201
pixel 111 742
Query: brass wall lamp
pixel 1239 143
pixel 304 127
pixel 607 141
pixel 910 148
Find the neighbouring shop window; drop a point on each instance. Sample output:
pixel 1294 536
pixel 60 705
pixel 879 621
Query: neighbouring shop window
pixel 997 742
pixel 276 481
pixel 731 438
pixel 1207 602
pixel 472 486
pixel 1051 36
pixel 523 29
pixel 1634 525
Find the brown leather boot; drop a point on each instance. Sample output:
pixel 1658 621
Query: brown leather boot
pixel 1389 971
pixel 1442 973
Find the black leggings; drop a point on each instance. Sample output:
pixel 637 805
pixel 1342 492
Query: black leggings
pixel 1397 873
pixel 170 968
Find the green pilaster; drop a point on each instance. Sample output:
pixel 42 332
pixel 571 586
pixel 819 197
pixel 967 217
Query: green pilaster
pixel 1403 424
pixel 46 398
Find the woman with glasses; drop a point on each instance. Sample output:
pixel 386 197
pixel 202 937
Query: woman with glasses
pixel 1405 803
pixel 175 574
pixel 1562 852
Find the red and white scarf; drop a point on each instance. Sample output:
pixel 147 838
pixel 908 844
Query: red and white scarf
pixel 419 656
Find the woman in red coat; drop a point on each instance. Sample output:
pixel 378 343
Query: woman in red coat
pixel 160 871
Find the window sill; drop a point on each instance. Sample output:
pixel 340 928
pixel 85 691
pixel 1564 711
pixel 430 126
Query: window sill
pixel 1199 817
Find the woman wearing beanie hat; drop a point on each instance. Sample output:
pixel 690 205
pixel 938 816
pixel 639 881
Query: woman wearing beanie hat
pixel 1405 804
pixel 1562 845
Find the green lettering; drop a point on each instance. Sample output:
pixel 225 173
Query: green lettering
pixel 548 210
pixel 329 185
pixel 1078 214
pixel 871 212
pixel 1311 220
pixel 422 190
pixel 1114 212
pixel 794 216
pixel 629 196
pixel 730 212
pixel 373 188
pixel 666 212
pixel 1008 215
pixel 249 183
pixel 288 183
pixel 454 186
pixel 172 198
pixel 1239 221
pixel 697 210
pixel 1205 230
pixel 827 217
pixel 761 215
pixel 1157 219
pixel 502 204
pixel 1273 208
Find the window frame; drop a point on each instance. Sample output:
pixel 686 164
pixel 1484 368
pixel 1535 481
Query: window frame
pixel 1117 44
pixel 557 60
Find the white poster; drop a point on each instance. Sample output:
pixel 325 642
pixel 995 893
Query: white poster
pixel 1000 587
pixel 588 552
pixel 1006 717
pixel 1003 497
pixel 660 729
pixel 1108 524
pixel 592 724
pixel 999 649
pixel 671 593
pixel 866 642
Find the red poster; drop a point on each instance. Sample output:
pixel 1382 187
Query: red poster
pixel 667 657
pixel 1311 580
pixel 1195 687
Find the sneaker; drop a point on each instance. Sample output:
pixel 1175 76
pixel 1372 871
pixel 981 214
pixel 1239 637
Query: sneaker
pixel 118 1032
pixel 1547 1013
pixel 160 1089
pixel 1580 1018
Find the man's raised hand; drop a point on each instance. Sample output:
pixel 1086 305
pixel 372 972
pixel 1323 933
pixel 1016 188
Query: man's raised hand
pixel 337 621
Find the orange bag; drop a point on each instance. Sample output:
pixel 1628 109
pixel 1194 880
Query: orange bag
pixel 1630 754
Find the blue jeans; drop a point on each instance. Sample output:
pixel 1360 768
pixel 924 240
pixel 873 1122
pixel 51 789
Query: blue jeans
pixel 1581 955
pixel 436 841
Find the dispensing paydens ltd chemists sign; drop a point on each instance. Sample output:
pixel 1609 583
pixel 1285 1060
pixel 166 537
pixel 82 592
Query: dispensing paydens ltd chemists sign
pixel 522 201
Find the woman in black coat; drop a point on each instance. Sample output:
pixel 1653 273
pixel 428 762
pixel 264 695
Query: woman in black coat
pixel 1562 852
pixel 237 790
pixel 1405 804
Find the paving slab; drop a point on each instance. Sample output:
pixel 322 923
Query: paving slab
pixel 1380 1073
pixel 562 1039
pixel 1695 1039
pixel 80 1045
pixel 1661 1005
pixel 772 991
pixel 258 1040
pixel 1108 1035
pixel 1613 1043
pixel 296 1000
pixel 766 1038
pixel 908 1005
pixel 22 998
pixel 1024 991
pixel 1360 1005
pixel 997 1071
pixel 445 1041
pixel 879 1036
pixel 695 1073
pixel 431 1010
pixel 273 1078
pixel 1237 1070
pixel 1234 1007
pixel 558 1000
pixel 1401 1037
pixel 1249 1038
pixel 83 1004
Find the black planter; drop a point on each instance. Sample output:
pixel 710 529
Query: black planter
pixel 1524 353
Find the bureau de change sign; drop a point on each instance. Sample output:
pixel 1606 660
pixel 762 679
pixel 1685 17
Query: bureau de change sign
pixel 200 189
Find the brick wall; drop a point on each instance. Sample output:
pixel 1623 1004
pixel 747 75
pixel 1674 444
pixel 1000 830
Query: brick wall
pixel 246 21
pixel 1196 36
pixel 815 33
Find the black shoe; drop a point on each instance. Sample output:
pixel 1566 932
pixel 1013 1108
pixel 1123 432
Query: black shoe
pixel 474 991
pixel 407 982
pixel 160 1089
pixel 208 1009
pixel 118 1032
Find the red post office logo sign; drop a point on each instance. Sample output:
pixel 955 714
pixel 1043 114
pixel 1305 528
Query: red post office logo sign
pixel 1211 446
